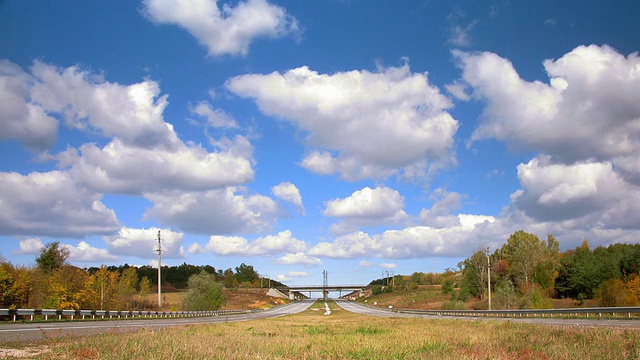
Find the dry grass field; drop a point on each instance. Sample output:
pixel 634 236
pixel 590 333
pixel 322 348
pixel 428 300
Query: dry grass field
pixel 344 335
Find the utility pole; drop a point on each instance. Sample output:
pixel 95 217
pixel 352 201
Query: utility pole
pixel 325 284
pixel 387 278
pixel 159 250
pixel 489 275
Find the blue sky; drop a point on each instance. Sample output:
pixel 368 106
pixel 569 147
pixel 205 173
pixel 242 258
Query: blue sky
pixel 297 136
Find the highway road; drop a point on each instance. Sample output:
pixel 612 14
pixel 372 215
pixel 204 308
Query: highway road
pixel 372 311
pixel 35 332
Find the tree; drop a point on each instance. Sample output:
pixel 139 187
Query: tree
pixel 7 290
pixel 615 293
pixel 525 252
pixel 417 278
pixel 145 286
pixel 505 295
pixel 204 293
pixel 52 257
pixel 127 287
pixel 246 274
pixel 229 279
pixel 580 273
pixel 474 274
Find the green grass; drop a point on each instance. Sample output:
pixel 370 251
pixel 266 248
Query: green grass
pixel 344 335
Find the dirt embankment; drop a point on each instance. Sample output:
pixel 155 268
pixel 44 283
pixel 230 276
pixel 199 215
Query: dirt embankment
pixel 250 299
pixel 237 299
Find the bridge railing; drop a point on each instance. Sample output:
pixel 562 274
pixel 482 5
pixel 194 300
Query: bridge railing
pixel 31 314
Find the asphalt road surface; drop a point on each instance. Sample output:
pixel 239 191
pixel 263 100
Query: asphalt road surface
pixel 371 311
pixel 37 332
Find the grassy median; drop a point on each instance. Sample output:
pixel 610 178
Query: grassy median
pixel 344 335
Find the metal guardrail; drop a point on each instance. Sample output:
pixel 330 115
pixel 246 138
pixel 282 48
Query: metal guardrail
pixel 14 314
pixel 597 311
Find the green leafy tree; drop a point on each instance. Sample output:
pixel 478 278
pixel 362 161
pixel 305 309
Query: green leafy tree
pixel 474 274
pixel 52 257
pixel 204 293
pixel 418 278
pixel 7 289
pixel 145 286
pixel 505 295
pixel 580 273
pixel 127 287
pixel 229 279
pixel 246 274
pixel 527 256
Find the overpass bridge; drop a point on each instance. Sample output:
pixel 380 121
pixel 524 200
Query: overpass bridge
pixel 324 289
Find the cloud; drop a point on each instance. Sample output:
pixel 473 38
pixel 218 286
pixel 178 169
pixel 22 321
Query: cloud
pixel 591 191
pixel 119 168
pixel 30 246
pixel 87 253
pixel 585 181
pixel 358 124
pixel 238 246
pixel 143 157
pixel 226 30
pixel 143 243
pixel 83 252
pixel 51 204
pixel 299 258
pixel 350 246
pixel 388 265
pixel 220 211
pixel 133 113
pixel 145 153
pixel 588 110
pixel 216 118
pixel 21 119
pixel 460 36
pixel 298 274
pixel 441 213
pixel 288 192
pixel 409 242
pixel 381 205
pixel 365 263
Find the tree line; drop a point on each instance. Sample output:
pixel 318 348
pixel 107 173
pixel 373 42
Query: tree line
pixel 528 272
pixel 53 283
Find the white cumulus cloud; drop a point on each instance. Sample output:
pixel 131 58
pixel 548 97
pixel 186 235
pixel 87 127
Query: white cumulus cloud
pixel 219 211
pixel 142 243
pixel 299 258
pixel 359 124
pixel 30 246
pixel 87 253
pixel 290 193
pixel 239 246
pixel 381 205
pixel 21 119
pixel 223 29
pixel 589 109
pixel 51 204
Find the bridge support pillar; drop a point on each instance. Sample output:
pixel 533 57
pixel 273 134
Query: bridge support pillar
pixel 292 295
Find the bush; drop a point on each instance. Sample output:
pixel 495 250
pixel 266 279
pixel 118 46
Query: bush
pixel 614 293
pixel 534 299
pixel 505 295
pixel 447 287
pixel 204 293
pixel 454 305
